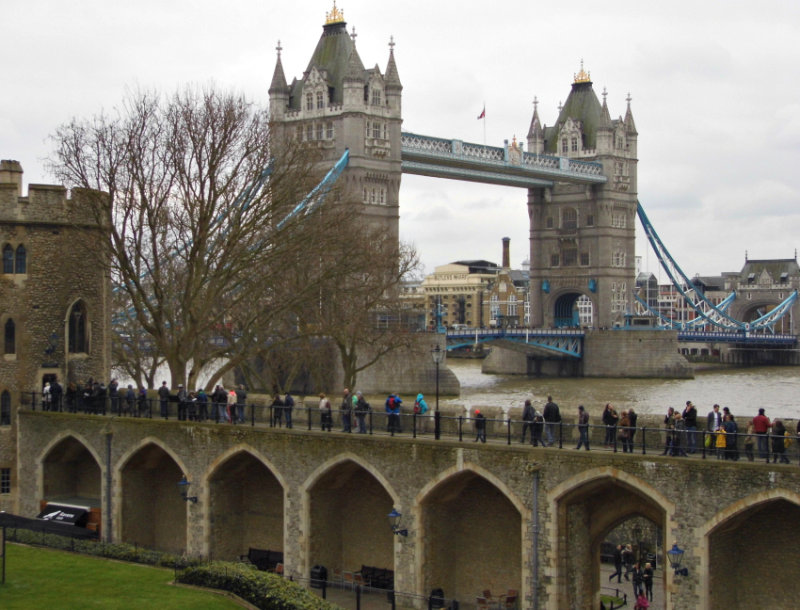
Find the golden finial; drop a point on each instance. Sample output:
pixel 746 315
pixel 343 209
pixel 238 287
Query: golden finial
pixel 335 16
pixel 583 76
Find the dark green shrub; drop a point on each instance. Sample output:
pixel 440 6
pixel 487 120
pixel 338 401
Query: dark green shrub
pixel 262 589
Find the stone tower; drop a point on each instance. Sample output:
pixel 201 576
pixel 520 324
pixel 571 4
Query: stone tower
pixel 54 301
pixel 582 266
pixel 338 104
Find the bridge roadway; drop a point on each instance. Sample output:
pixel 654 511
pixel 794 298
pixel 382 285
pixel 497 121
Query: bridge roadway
pixel 507 165
pixel 499 515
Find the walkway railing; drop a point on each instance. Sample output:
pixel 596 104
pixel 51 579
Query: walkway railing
pixel 643 440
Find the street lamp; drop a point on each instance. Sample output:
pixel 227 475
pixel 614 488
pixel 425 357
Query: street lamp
pixel 183 488
pixel 438 356
pixel 675 556
pixel 394 523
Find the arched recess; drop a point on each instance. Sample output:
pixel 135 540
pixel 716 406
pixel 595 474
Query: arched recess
pixel 587 508
pixel 78 328
pixel 245 501
pixel 347 501
pixel 151 512
pixel 754 540
pixel 470 535
pixel 71 471
pixel 565 310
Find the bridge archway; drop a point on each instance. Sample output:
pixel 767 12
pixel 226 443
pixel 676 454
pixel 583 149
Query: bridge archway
pixel 470 535
pixel 71 472
pixel 152 513
pixel 587 509
pixel 573 309
pixel 245 501
pixel 347 504
pixel 752 541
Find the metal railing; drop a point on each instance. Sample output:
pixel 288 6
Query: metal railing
pixel 644 440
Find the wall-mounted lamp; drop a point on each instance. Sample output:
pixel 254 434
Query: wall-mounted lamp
pixel 183 488
pixel 394 523
pixel 675 556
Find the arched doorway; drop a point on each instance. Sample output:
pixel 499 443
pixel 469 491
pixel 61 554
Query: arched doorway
pixel 472 539
pixel 589 514
pixel 348 510
pixel 153 514
pixel 572 310
pixel 245 507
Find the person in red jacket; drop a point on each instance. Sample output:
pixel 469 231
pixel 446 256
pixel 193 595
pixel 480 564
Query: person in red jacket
pixel 761 426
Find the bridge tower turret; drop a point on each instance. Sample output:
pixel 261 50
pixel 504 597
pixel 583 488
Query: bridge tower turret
pixel 338 104
pixel 583 237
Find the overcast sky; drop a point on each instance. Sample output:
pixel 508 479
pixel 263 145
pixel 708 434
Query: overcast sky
pixel 714 86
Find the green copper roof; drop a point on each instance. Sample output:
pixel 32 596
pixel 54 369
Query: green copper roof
pixel 581 105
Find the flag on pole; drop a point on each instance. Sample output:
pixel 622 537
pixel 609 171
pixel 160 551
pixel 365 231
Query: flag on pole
pixel 482 115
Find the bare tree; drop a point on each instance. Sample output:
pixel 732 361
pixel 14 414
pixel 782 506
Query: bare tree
pixel 197 198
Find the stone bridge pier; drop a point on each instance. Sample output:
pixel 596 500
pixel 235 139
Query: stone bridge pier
pixel 479 516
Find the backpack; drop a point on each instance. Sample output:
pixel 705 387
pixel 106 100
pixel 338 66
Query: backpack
pixel 417 408
pixel 391 402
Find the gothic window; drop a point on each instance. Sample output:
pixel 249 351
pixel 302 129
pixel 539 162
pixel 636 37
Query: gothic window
pixel 584 259
pixel 382 194
pixel 574 144
pixel 309 132
pixel 376 130
pixel 366 195
pixel 376 97
pixel 309 101
pixel 10 340
pixel 319 131
pixel 618 220
pixel 5 480
pixel 618 259
pixel 5 408
pixel 8 259
pixel 78 329
pixel 21 260
pixel 369 129
pixel 564 146
pixel 329 131
pixel 590 220
pixel 548 223
pixel 570 218
pixel 554 260
pixel 320 100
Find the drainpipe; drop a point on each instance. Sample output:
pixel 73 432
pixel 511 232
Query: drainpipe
pixel 535 557
pixel 107 536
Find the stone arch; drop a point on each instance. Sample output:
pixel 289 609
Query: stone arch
pixel 245 497
pixel 150 511
pixel 584 509
pixel 77 326
pixel 761 527
pixel 565 310
pixel 76 473
pixel 341 490
pixel 470 532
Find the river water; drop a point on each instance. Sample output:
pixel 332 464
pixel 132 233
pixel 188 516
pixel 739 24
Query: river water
pixel 777 389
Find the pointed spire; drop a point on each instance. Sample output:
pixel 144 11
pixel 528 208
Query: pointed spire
pixel 535 130
pixel 278 84
pixel 630 126
pixel 605 118
pixel 392 76
pixel 355 68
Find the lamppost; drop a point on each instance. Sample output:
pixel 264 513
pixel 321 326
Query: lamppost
pixel 675 556
pixel 183 488
pixel 438 356
pixel 394 523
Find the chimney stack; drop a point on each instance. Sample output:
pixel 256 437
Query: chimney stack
pixel 506 256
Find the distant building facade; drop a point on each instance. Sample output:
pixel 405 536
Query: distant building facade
pixel 54 302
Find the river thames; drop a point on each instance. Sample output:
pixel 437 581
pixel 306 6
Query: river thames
pixel 777 389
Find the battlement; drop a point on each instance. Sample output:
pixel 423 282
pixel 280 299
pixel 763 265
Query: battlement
pixel 45 203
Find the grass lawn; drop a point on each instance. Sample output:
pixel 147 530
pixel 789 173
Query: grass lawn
pixel 41 578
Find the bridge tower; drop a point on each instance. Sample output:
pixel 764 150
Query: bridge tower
pixel 582 237
pixel 338 104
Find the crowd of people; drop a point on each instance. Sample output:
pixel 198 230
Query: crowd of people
pixel 639 574
pixel 720 435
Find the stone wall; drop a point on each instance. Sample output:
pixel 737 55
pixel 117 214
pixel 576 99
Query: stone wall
pixel 634 353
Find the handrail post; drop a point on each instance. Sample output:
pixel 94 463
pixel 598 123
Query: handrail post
pixel 509 432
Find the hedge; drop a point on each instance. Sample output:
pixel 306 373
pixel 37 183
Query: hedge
pixel 264 590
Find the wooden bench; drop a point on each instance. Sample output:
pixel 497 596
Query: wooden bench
pixel 264 560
